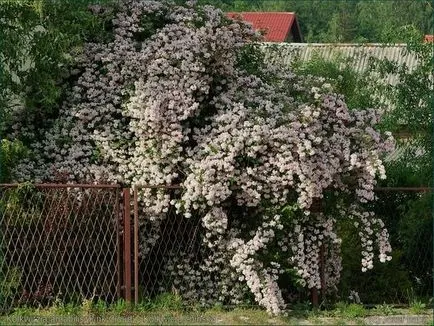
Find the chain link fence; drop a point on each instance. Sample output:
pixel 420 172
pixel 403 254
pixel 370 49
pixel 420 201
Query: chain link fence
pixel 405 279
pixel 58 242
pixel 70 242
pixel 163 243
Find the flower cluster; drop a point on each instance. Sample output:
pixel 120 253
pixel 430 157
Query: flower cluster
pixel 371 231
pixel 261 282
pixel 315 237
pixel 174 105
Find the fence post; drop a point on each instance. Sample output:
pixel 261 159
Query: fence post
pixel 119 221
pixel 136 246
pixel 127 244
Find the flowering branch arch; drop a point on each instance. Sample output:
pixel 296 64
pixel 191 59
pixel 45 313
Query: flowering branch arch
pixel 176 104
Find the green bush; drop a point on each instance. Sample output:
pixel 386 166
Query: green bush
pixel 415 233
pixel 386 283
pixel 10 153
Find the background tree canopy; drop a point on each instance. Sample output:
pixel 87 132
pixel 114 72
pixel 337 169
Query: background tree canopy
pixel 346 21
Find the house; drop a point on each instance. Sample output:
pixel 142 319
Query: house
pixel 429 38
pixel 277 26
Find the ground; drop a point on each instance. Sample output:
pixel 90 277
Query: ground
pixel 249 316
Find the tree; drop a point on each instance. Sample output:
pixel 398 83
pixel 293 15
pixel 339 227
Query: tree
pixel 39 41
pixel 347 21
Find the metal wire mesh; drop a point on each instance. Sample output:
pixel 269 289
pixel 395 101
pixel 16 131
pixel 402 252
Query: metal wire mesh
pixel 408 277
pixel 64 242
pixel 171 238
pixel 58 242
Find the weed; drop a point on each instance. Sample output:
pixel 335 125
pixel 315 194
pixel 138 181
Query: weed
pixel 99 308
pixel 71 309
pixel 23 311
pixel 86 307
pixel 352 310
pixel 384 309
pixel 168 301
pixel 216 308
pixel 143 306
pixel 417 307
pixel 302 309
pixel 121 308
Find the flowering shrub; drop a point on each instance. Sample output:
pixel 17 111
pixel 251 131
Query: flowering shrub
pixel 170 100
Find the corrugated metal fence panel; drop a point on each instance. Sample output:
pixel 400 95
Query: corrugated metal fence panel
pixel 358 53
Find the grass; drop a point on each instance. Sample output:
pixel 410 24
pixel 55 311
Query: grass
pixel 167 309
pixel 385 310
pixel 417 307
pixel 349 311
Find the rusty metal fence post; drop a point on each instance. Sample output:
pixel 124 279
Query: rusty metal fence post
pixel 127 244
pixel 119 219
pixel 136 246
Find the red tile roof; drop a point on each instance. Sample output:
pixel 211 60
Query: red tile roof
pixel 429 38
pixel 277 25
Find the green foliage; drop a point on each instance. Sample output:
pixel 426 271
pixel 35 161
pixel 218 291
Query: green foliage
pixel 10 153
pixel 356 21
pixel 384 309
pixel 40 40
pixel 120 307
pixel 302 308
pixel 150 24
pixel 358 88
pixel 412 99
pixel 251 59
pixel 415 232
pixel 10 279
pixel 23 311
pixel 417 307
pixel 406 215
pixel 67 309
pixel 348 311
pixel 386 283
pixel 99 308
pixel 168 301
pixel 18 208
pixel 164 301
pixel 342 314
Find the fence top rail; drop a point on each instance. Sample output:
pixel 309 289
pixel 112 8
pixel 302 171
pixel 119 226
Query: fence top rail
pixel 416 189
pixel 144 186
pixel 413 189
pixel 63 185
pixel 138 186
